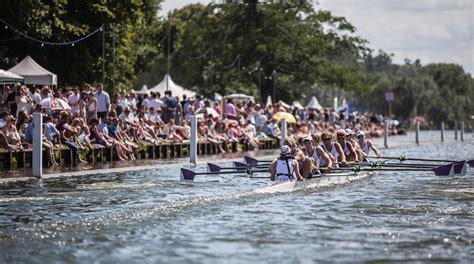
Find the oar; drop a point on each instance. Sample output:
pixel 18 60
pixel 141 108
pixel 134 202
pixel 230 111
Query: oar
pixel 404 158
pixel 188 175
pixel 444 170
pixel 211 167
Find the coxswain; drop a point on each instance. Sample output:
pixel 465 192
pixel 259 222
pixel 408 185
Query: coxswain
pixel 334 149
pixel 285 167
pixel 366 145
pixel 316 154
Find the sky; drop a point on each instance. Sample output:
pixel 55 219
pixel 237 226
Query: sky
pixel 434 31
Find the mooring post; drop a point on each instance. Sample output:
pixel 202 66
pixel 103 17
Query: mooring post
pixel 283 131
pixel 417 135
pixel 193 140
pixel 442 131
pixel 456 130
pixel 462 130
pixel 38 145
pixel 385 134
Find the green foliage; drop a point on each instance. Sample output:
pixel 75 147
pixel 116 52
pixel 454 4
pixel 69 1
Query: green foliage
pixel 132 24
pixel 229 48
pixel 440 92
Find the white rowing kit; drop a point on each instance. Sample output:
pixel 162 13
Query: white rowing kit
pixel 333 151
pixel 284 169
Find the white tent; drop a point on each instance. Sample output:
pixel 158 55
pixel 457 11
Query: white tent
pixel 314 104
pixel 168 84
pixel 33 72
pixel 297 105
pixel 9 77
pixel 144 90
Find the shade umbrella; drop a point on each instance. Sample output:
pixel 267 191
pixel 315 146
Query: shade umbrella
pixel 278 116
pixel 207 111
pixel 55 104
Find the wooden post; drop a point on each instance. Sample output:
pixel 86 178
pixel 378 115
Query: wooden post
pixel 442 131
pixel 385 134
pixel 462 130
pixel 456 130
pixel 417 135
pixel 193 140
pixel 283 131
pixel 37 145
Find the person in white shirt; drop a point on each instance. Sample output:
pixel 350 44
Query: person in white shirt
pixel 123 100
pixel 35 95
pixel 155 101
pixel 146 101
pixel 154 116
pixel 103 101
pixel 133 101
pixel 73 100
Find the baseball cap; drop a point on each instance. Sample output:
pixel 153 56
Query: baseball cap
pixel 285 150
pixel 349 132
pixel 360 134
pixel 308 138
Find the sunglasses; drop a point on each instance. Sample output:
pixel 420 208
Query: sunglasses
pixel 342 138
pixel 326 139
pixel 360 136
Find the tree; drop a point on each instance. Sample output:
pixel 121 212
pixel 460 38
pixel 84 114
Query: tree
pixel 131 24
pixel 301 45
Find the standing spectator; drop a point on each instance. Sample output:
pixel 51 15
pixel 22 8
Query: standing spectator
pixel 169 107
pixel 146 100
pixel 132 99
pixel 155 101
pixel 103 101
pixel 73 100
pixel 230 110
pixel 23 100
pixel 11 99
pixel 35 95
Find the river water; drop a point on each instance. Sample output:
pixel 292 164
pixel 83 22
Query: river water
pixel 150 217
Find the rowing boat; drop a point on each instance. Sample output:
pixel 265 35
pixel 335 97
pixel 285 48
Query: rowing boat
pixel 322 180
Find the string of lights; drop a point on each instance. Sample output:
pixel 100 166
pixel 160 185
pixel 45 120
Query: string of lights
pixel 44 42
pixel 237 58
pixel 200 56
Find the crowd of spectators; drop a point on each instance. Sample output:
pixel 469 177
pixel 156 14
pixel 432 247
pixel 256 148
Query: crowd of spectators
pixel 87 116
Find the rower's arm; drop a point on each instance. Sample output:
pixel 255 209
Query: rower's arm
pixel 371 145
pixel 352 150
pixel 297 170
pixel 272 170
pixel 339 150
pixel 324 156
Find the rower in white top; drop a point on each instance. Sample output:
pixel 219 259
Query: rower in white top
pixel 316 154
pixel 366 145
pixel 285 167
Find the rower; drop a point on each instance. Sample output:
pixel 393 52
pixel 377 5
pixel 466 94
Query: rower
pixel 285 167
pixel 366 145
pixel 316 154
pixel 303 162
pixel 350 137
pixel 347 146
pixel 334 149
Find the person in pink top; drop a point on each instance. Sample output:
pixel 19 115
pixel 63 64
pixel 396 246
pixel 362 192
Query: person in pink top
pixel 230 111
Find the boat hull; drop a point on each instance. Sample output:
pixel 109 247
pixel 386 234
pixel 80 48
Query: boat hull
pixel 324 180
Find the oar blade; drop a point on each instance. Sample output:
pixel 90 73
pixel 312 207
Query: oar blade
pixel 470 163
pixel 240 165
pixel 460 168
pixel 211 167
pixel 444 171
pixel 250 161
pixel 187 175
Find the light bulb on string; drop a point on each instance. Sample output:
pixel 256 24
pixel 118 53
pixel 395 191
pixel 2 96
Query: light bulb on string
pixel 6 27
pixel 42 44
pixel 72 44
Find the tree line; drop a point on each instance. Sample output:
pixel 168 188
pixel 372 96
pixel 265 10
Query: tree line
pixel 289 50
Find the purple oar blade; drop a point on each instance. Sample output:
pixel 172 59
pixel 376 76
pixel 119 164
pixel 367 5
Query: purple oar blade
pixel 459 168
pixel 211 167
pixel 250 161
pixel 240 165
pixel 471 163
pixel 187 175
pixel 445 170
